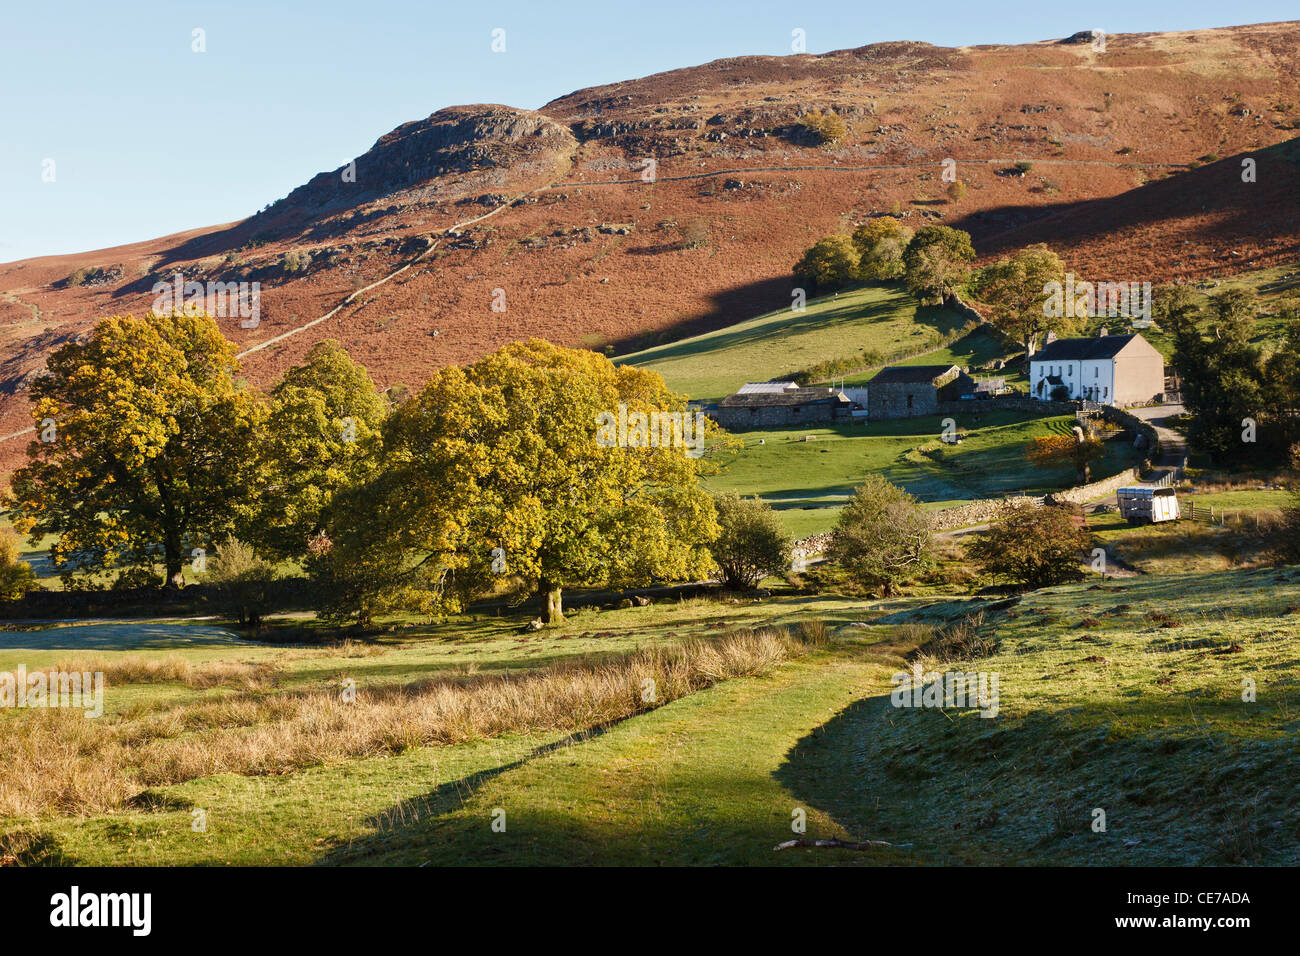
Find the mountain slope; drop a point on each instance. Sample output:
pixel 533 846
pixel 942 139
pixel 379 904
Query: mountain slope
pixel 584 246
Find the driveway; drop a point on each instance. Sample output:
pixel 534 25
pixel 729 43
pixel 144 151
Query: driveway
pixel 1173 446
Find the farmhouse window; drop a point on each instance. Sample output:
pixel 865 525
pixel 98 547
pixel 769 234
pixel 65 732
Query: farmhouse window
pixel 909 401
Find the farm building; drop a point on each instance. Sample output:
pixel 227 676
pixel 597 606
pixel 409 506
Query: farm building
pixel 1113 369
pixel 906 391
pixel 790 406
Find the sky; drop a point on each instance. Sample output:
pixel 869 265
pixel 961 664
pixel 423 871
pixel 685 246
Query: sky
pixel 115 128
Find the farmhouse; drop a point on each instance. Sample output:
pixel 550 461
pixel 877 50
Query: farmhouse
pixel 1113 369
pixel 906 391
pixel 750 408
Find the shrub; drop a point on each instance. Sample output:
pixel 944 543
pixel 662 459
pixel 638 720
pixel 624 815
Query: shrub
pixel 16 575
pixel 693 233
pixel 882 536
pixel 825 129
pixel 751 544
pixel 243 582
pixel 1032 546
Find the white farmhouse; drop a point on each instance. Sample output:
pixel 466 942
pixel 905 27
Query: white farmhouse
pixel 1112 369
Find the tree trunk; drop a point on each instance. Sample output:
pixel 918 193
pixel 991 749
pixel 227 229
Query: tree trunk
pixel 172 560
pixel 1030 342
pixel 552 598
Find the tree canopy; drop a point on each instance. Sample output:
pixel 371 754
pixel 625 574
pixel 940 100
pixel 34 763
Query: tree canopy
pixel 494 469
pixel 1015 290
pixel 936 261
pixel 151 444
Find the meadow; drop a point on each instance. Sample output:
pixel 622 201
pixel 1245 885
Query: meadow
pixel 1103 704
pixel 809 481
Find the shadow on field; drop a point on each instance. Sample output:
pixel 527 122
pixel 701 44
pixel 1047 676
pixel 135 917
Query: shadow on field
pixel 402 826
pixel 964 790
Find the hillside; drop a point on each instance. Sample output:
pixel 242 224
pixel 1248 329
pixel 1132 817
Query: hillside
pixel 551 207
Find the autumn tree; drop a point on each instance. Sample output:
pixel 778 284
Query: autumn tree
pixel 509 467
pixel 880 243
pixel 150 444
pixel 937 261
pixel 1077 451
pixel 830 263
pixel 882 536
pixel 751 542
pixel 322 434
pixel 1032 546
pixel 1016 290
pixel 16 575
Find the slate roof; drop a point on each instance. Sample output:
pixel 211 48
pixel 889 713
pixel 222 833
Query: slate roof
pixel 755 388
pixel 798 396
pixel 1083 350
pixel 910 374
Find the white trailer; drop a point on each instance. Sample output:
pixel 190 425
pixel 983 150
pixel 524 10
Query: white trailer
pixel 1146 504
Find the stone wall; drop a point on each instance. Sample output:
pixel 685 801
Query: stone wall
pixel 770 416
pixel 976 512
pixel 1001 403
pixel 1080 494
pixel 889 401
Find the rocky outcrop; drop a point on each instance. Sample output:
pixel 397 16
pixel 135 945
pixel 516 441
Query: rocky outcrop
pixel 452 142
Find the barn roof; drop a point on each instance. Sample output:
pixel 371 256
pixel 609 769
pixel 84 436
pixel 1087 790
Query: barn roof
pixel 1082 350
pixel 798 396
pixel 912 374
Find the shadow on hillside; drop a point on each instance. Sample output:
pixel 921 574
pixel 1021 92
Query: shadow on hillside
pixel 744 303
pixel 1214 194
pixel 1021 791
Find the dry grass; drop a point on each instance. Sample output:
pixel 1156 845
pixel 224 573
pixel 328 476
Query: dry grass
pixel 58 762
pixel 161 670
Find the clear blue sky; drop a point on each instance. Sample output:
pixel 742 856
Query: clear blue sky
pixel 149 138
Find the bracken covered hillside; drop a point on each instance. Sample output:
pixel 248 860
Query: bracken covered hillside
pixel 1135 173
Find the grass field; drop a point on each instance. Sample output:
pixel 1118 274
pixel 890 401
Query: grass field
pixel 879 318
pixel 809 481
pixel 1101 706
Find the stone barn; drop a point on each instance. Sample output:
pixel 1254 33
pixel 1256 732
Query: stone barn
pixel 774 409
pixel 906 391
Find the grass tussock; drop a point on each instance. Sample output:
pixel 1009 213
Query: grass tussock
pixel 244 675
pixel 60 762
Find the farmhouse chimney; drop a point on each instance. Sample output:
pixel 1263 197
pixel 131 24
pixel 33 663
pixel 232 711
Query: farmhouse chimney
pixel 1104 332
pixel 1051 337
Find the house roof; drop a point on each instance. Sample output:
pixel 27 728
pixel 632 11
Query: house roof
pixel 912 374
pixel 1082 350
pixel 798 396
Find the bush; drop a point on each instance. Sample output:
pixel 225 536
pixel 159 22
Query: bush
pixel 243 582
pixel 752 544
pixel 882 536
pixel 16 575
pixel 825 129
pixel 830 263
pixel 139 576
pixel 693 234
pixel 1032 546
